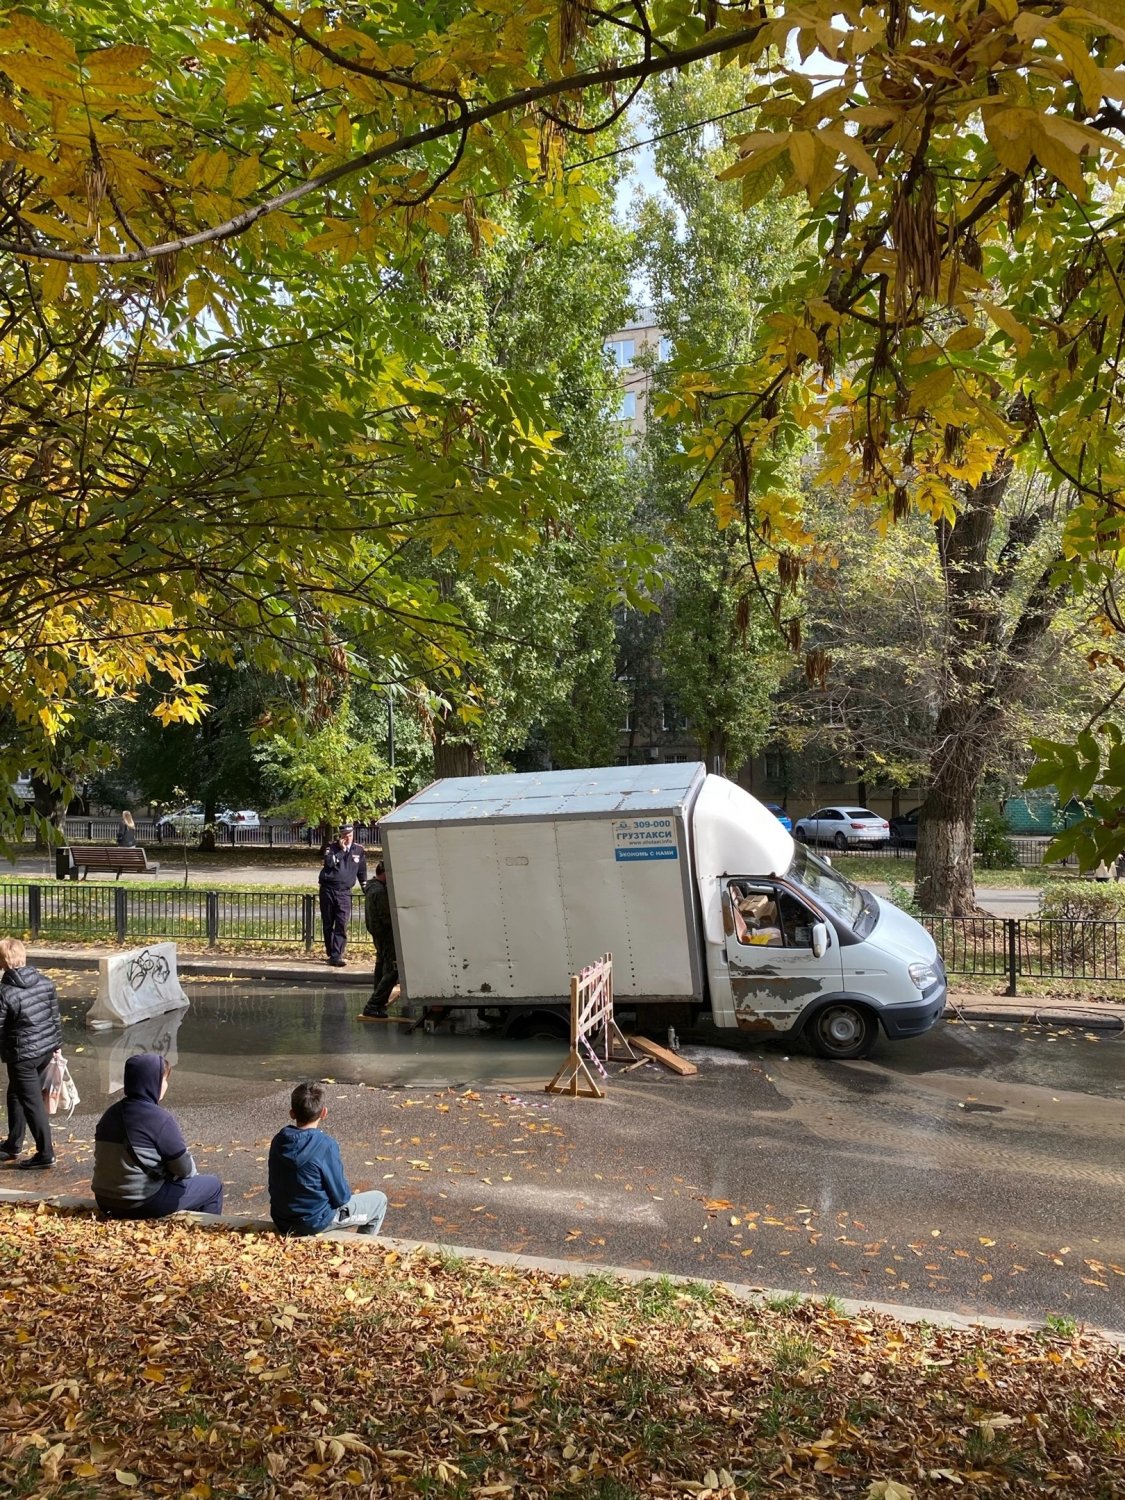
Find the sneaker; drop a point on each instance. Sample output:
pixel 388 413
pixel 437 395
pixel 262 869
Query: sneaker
pixel 36 1163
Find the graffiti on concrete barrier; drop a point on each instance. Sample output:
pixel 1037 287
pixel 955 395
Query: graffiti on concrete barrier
pixel 147 966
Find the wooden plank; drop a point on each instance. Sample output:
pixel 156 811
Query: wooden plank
pixel 661 1054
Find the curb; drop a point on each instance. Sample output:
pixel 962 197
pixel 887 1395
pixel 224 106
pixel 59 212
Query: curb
pixel 1109 1017
pixel 233 968
pixel 741 1290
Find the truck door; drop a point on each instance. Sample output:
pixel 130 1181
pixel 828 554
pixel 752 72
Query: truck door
pixel 774 970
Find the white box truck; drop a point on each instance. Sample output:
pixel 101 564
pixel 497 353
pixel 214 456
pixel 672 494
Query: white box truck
pixel 503 886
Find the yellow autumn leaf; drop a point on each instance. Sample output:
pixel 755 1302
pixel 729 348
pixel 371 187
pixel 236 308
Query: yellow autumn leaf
pixel 1009 324
pixel 244 178
pixel 56 273
pixel 238 85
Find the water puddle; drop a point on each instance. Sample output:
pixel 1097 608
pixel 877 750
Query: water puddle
pixel 238 1041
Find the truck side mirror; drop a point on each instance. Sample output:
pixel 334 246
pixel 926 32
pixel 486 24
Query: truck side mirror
pixel 819 939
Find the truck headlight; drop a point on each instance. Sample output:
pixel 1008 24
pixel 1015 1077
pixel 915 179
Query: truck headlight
pixel 923 975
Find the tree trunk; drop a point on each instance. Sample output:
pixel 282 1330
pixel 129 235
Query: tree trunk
pixel 456 759
pixel 715 752
pixel 49 804
pixel 984 672
pixel 943 873
pixel 896 801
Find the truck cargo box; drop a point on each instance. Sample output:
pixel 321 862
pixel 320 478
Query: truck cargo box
pixel 503 886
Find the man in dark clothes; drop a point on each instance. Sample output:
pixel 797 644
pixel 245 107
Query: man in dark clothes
pixel 142 1166
pixel 30 1030
pixel 377 914
pixel 344 863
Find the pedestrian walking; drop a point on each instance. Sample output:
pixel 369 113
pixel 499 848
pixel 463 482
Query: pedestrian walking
pixel 377 915
pixel 30 1030
pixel 127 831
pixel 345 862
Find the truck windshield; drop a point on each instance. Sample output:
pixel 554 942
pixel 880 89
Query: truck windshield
pixel 822 882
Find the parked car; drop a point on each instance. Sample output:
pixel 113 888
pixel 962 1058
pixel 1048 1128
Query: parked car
pixel 246 818
pixel 780 814
pixel 180 820
pixel 904 829
pixel 843 828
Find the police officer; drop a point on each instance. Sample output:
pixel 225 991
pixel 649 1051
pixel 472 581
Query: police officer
pixel 345 862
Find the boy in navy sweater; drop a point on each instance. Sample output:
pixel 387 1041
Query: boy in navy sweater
pixel 308 1190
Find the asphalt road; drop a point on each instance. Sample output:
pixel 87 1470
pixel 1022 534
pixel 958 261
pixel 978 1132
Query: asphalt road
pixel 978 1169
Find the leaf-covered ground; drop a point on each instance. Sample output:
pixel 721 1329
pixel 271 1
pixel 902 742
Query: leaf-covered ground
pixel 165 1359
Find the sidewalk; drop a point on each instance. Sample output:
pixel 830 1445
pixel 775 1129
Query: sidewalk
pixel 302 968
pixel 743 1291
pixel 1102 1015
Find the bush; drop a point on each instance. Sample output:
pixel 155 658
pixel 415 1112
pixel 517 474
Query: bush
pixel 1078 941
pixel 990 839
pixel 1083 901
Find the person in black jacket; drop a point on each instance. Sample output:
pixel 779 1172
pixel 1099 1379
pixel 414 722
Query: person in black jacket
pixel 377 914
pixel 345 862
pixel 127 831
pixel 30 1030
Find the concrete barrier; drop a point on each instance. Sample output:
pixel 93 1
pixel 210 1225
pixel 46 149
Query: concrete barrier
pixel 136 985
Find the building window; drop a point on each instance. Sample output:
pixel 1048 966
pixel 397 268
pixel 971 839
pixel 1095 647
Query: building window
pixel 621 351
pixel 775 765
pixel 627 407
pixel 672 719
pixel 666 349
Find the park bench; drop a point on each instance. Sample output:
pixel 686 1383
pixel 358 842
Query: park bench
pixel 76 864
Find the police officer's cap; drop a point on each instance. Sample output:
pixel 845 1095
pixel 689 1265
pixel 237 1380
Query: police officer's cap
pixel 345 828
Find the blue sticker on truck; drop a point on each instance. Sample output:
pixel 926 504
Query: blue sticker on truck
pixel 644 838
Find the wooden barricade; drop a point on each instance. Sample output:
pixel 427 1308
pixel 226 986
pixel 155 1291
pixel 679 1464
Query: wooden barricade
pixel 591 1025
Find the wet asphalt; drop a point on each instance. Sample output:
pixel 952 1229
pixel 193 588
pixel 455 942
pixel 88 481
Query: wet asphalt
pixel 979 1169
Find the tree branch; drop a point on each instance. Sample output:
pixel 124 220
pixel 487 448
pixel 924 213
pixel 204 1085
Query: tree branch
pixel 239 223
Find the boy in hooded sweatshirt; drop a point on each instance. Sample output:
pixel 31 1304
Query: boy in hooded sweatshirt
pixel 142 1166
pixel 308 1190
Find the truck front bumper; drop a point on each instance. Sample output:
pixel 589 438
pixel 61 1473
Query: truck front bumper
pixel 913 1020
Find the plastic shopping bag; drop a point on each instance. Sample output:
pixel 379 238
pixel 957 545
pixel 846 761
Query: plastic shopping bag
pixel 53 1082
pixel 58 1086
pixel 68 1099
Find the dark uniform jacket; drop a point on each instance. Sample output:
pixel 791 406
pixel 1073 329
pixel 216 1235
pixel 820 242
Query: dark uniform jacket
pixel 30 1027
pixel 343 867
pixel 377 915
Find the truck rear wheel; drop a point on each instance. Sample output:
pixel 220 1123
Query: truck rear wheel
pixel 540 1026
pixel 842 1031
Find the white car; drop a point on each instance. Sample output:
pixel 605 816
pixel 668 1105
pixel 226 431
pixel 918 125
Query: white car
pixel 247 818
pixel 843 828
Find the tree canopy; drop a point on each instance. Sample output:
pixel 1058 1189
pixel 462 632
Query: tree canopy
pixel 209 434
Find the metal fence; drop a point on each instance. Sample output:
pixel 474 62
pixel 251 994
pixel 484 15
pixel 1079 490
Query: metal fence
pixel 1008 948
pixel 84 912
pixel 1027 854
pixel 151 833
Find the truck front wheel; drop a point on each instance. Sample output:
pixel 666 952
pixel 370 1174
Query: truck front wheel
pixel 842 1030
